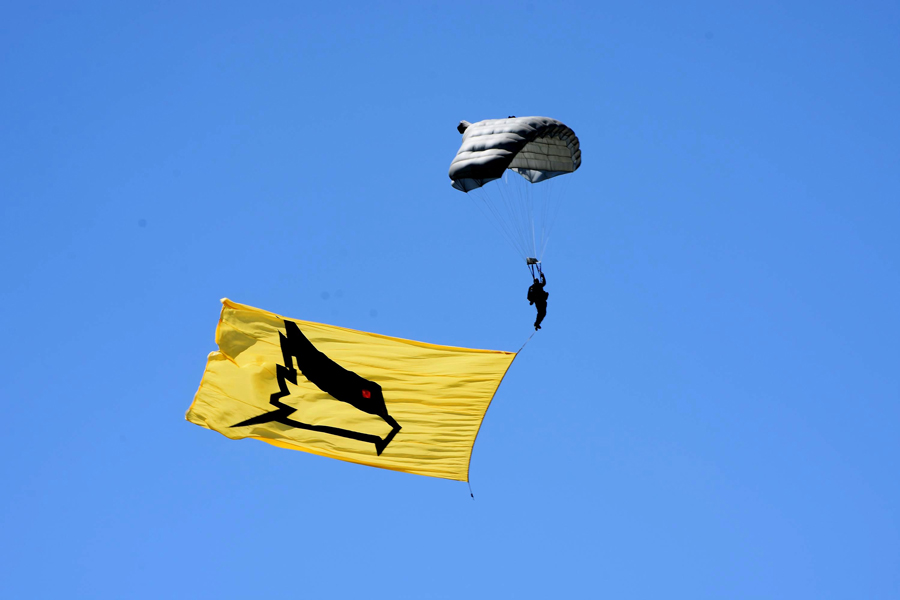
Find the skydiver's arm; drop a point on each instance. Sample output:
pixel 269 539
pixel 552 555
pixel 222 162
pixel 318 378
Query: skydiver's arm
pixel 543 279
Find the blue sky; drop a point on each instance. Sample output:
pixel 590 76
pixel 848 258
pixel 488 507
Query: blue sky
pixel 710 410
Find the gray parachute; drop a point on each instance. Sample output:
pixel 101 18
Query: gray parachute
pixel 537 148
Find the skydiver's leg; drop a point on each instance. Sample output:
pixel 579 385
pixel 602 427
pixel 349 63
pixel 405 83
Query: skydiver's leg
pixel 541 313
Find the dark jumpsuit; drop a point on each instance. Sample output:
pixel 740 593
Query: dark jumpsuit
pixel 538 297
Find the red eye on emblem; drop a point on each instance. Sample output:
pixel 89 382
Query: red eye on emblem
pixel 367 394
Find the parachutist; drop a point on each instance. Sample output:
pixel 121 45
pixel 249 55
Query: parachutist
pixel 538 297
pixel 517 153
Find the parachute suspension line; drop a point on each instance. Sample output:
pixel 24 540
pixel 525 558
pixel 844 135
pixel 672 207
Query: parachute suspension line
pixel 509 209
pixel 530 193
pixel 484 206
pixel 470 489
pixel 487 205
pixel 554 205
pixel 523 214
pixel 519 203
pixel 514 207
pixel 517 220
pixel 505 210
pixel 563 193
pixel 544 210
pixel 548 201
pixel 519 200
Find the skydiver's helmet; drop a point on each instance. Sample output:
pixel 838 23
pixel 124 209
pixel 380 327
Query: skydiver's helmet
pixel 536 282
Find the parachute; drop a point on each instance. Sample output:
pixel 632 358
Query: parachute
pixel 537 150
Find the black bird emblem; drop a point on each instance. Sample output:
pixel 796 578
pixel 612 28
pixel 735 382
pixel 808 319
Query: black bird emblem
pixel 331 378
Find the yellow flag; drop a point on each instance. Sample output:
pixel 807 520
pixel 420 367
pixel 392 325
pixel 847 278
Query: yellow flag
pixel 356 396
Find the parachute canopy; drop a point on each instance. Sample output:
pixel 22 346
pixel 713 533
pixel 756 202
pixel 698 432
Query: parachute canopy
pixel 537 148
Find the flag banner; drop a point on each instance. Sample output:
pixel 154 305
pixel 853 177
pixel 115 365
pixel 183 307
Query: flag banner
pixel 355 396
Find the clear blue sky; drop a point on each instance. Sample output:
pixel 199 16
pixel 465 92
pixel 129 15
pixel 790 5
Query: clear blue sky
pixel 710 411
